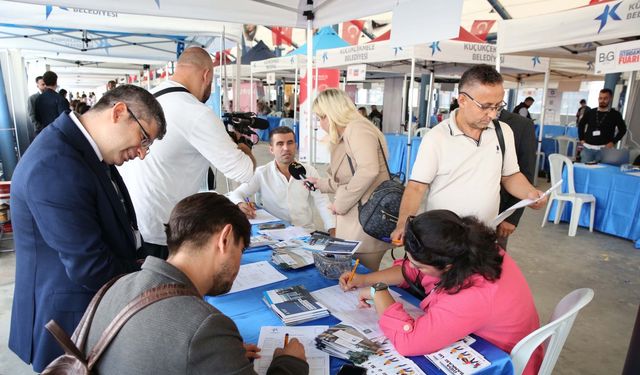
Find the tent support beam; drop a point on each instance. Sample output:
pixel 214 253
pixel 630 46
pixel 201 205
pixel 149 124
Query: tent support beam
pixel 541 133
pixel 410 117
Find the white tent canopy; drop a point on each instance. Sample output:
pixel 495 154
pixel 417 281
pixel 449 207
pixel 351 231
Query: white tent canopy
pixel 275 12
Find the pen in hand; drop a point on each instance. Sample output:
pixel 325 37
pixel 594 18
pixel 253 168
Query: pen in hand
pixel 286 339
pixel 353 271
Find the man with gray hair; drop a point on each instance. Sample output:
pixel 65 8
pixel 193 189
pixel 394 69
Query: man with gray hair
pixel 197 139
pixel 463 160
pixel 74 226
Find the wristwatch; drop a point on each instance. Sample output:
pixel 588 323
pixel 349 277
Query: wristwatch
pixel 378 287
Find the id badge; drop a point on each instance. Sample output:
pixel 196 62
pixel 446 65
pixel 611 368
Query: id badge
pixel 596 133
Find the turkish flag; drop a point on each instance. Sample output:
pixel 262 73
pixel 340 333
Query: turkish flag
pixel 481 28
pixel 281 35
pixel 594 2
pixel 351 31
pixel 465 36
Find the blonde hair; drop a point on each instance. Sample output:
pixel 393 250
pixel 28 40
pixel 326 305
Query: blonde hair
pixel 339 109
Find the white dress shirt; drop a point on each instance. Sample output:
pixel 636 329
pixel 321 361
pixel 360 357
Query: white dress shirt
pixel 176 166
pixel 286 200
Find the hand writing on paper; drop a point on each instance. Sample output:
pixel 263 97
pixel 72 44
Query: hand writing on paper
pixel 248 209
pixel 294 348
pixel 356 282
pixel 252 351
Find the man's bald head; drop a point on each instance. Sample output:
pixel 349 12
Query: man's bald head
pixel 196 57
pixel 194 71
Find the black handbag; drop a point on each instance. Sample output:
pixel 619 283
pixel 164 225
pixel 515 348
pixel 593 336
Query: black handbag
pixel 379 215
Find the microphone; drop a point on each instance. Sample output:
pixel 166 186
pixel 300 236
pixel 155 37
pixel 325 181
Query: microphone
pixel 298 171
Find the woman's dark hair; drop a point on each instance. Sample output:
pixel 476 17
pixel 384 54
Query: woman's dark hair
pixel 440 238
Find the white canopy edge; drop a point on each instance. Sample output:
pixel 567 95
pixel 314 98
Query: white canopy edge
pixel 604 21
pixel 280 13
pixel 279 63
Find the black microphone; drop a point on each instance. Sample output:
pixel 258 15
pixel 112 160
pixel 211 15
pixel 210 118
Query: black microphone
pixel 298 171
pixel 260 123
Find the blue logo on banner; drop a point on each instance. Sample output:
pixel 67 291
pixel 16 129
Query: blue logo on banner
pixel 608 12
pixel 157 3
pixel 395 50
pixel 180 49
pixel 589 65
pixel 49 8
pixel 536 60
pixel 324 57
pixel 435 46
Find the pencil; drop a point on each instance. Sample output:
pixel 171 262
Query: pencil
pixel 286 339
pixel 353 271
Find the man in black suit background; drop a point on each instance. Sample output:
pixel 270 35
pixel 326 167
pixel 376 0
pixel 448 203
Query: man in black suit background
pixel 525 141
pixel 49 104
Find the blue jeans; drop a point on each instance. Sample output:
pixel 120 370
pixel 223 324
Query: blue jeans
pixel 588 155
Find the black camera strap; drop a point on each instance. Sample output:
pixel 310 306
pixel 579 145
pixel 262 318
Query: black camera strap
pixel 170 90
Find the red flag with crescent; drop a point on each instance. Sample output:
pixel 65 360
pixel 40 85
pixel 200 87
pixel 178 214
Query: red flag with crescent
pixel 481 28
pixel 281 35
pixel 351 31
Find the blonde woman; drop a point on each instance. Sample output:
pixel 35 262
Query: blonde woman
pixel 356 138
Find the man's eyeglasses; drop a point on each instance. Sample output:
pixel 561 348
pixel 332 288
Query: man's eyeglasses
pixel 485 107
pixel 146 139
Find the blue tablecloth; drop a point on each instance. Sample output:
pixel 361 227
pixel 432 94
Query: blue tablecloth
pixel 617 200
pixel 397 145
pixel 249 313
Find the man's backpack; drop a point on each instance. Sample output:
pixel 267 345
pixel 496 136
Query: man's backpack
pixel 74 361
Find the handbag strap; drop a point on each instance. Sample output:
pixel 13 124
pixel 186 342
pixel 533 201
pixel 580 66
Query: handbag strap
pixel 353 172
pixel 145 299
pixel 496 123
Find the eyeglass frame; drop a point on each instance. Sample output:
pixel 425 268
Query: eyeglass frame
pixel 146 139
pixel 484 107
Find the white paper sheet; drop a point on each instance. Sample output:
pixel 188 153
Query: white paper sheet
pixel 344 306
pixel 389 362
pixel 459 359
pixel 262 216
pixel 286 234
pixel 273 337
pixel 588 166
pixel 523 203
pixel 254 275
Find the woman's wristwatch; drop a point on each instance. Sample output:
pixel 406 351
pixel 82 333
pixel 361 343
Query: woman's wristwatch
pixel 378 287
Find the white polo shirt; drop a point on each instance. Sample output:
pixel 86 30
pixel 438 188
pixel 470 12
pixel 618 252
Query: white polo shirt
pixel 176 166
pixel 286 200
pixel 464 175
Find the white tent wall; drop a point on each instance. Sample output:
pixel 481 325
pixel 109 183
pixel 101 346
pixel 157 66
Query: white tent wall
pixel 15 79
pixel 392 107
pixel 632 139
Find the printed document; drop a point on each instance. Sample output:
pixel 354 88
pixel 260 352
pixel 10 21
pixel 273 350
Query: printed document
pixel 262 216
pixel 257 274
pixel 273 337
pixel 523 203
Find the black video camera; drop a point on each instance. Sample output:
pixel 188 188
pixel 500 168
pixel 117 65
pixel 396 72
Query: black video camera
pixel 244 123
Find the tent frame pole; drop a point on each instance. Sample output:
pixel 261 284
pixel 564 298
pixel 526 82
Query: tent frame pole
pixel 545 86
pixel 409 120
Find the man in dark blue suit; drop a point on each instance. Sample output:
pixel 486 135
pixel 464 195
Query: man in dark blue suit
pixel 74 224
pixel 49 105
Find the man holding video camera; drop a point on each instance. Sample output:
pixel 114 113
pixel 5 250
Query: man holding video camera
pixel 196 139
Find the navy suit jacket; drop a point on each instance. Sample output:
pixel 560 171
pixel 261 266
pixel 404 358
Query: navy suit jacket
pixel 49 105
pixel 71 235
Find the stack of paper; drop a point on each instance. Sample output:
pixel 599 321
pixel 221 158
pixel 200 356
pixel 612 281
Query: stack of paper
pixel 347 343
pixel 291 259
pixel 294 305
pixel 331 245
pixel 387 361
pixel 273 337
pixel 459 358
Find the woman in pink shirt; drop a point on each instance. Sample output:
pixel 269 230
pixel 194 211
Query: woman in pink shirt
pixel 472 286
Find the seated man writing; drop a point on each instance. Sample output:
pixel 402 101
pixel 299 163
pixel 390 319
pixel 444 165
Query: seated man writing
pixel 281 194
pixel 468 285
pixel 184 335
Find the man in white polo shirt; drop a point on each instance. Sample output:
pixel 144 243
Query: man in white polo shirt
pixel 282 195
pixel 460 164
pixel 196 139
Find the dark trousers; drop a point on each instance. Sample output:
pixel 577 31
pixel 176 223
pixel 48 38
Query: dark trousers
pixel 151 249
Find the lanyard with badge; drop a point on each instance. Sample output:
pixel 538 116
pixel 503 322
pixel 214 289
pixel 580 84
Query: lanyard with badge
pixel 599 122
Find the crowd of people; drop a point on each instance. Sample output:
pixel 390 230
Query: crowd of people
pixel 92 199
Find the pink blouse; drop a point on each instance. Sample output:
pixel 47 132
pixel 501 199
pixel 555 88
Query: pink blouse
pixel 501 312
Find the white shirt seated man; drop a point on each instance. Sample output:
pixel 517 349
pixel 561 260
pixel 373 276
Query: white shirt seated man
pixel 281 194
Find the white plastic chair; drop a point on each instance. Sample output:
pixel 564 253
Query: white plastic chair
pixel 556 161
pixel 552 335
pixel 563 145
pixel 421 132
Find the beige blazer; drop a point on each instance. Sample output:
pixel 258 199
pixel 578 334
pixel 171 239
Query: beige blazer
pixel 360 142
